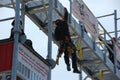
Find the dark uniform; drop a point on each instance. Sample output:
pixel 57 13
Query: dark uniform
pixel 66 45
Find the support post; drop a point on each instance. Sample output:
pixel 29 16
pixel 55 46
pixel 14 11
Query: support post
pixel 94 43
pixel 56 2
pixel 49 56
pixel 115 21
pixel 105 54
pixel 70 16
pixel 80 75
pixel 16 37
pixel 23 14
pixel 82 28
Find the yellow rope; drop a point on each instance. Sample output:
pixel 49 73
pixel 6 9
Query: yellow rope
pixel 101 74
pixel 81 52
pixel 79 48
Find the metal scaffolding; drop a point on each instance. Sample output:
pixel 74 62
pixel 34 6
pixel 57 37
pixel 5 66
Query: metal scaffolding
pixel 43 13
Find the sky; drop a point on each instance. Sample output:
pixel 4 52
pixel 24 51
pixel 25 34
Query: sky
pixel 98 8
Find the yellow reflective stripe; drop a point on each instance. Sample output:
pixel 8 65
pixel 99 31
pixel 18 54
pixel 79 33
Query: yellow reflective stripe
pixel 70 50
pixel 81 54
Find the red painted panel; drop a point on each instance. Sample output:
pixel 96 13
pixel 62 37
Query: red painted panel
pixel 6 52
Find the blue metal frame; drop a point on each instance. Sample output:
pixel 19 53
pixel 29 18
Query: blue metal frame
pixel 16 30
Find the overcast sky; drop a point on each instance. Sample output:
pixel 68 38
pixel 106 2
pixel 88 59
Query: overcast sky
pixel 98 7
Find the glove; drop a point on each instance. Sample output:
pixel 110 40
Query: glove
pixel 66 38
pixel 61 50
pixel 59 55
pixel 57 61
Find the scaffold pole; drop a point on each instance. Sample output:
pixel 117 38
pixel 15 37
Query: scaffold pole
pixel 16 37
pixel 115 21
pixel 70 16
pixel 49 56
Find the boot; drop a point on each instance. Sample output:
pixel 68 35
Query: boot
pixel 68 68
pixel 76 71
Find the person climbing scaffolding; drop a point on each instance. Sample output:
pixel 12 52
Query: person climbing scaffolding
pixel 110 47
pixel 62 35
pixel 22 36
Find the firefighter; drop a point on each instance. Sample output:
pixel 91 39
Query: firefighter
pixel 67 47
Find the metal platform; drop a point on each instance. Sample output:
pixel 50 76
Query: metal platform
pixel 94 58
